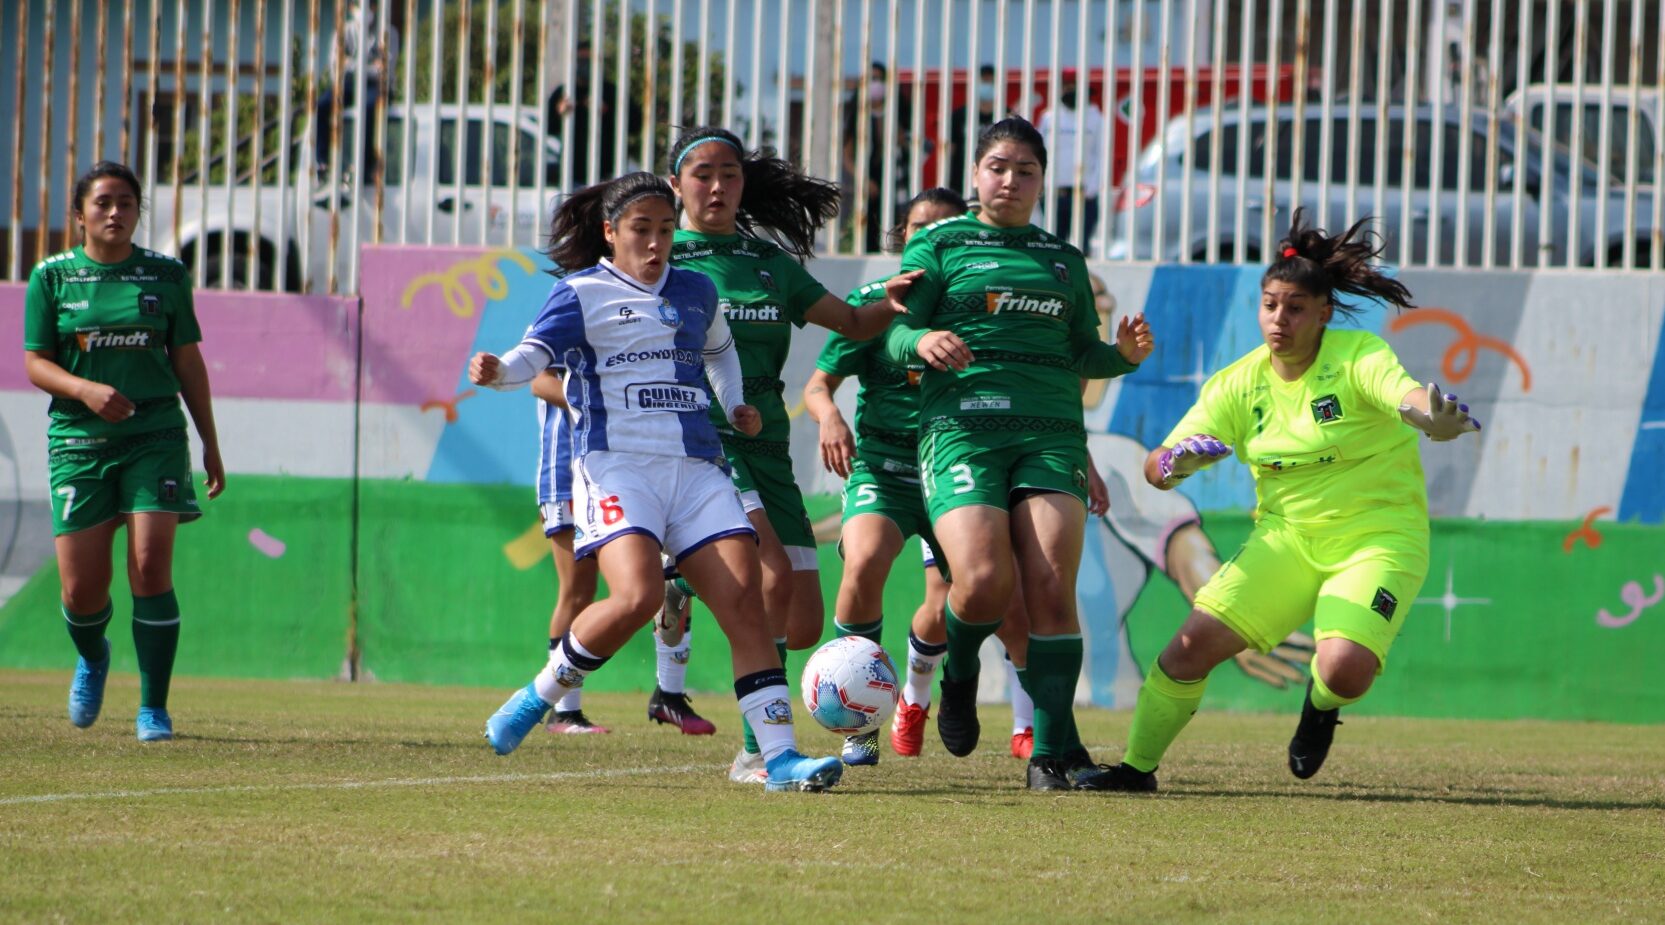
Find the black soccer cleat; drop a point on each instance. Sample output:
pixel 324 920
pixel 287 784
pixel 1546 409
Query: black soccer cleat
pixel 1311 743
pixel 1048 774
pixel 675 710
pixel 1123 778
pixel 957 716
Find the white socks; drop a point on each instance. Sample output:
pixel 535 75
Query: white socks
pixel 769 711
pixel 569 664
pixel 1023 709
pixel 673 663
pixel 923 659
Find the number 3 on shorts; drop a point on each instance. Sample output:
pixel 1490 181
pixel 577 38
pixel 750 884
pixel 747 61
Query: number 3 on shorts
pixel 611 513
pixel 963 480
pixel 68 494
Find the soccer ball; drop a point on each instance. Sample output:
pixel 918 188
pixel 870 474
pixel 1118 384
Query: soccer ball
pixel 850 685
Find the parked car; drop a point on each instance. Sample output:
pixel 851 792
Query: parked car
pixel 1532 103
pixel 298 214
pixel 1430 205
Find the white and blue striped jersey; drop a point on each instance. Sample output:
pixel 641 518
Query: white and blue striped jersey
pixel 634 360
pixel 554 454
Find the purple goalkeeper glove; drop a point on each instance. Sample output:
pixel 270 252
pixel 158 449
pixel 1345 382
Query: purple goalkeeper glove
pixel 1445 419
pixel 1189 455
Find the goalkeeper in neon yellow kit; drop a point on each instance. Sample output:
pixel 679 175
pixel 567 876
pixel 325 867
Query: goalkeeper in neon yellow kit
pixel 1327 421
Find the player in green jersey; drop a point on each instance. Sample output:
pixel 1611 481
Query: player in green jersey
pixel 111 334
pixel 1341 532
pixel 1004 316
pixel 883 506
pixel 731 200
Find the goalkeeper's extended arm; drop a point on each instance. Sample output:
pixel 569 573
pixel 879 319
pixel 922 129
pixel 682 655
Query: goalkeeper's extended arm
pixel 1440 416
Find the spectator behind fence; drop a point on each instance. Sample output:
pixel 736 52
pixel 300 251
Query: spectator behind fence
pixel 954 147
pixel 581 104
pixel 378 60
pixel 1066 119
pixel 878 210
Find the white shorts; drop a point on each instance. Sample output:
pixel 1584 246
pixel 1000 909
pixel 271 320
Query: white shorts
pixel 927 553
pixel 681 503
pixel 557 516
pixel 751 501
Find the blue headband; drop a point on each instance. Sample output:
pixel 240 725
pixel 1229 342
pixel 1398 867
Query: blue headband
pixel 676 168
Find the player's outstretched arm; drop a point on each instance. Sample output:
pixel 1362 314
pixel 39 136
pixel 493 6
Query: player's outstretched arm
pixel 510 371
pixel 1166 466
pixel 838 445
pixel 867 321
pixel 1439 415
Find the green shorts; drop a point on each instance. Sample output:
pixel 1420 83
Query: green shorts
pixel 960 467
pixel 1358 588
pixel 890 488
pixel 762 473
pixel 97 482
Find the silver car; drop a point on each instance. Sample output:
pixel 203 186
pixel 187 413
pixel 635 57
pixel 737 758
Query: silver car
pixel 1465 214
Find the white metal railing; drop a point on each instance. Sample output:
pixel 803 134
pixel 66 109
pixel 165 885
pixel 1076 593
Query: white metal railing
pixel 1479 133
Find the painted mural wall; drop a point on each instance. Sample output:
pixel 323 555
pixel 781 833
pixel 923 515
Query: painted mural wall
pixel 380 516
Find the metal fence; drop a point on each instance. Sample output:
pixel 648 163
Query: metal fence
pixel 274 138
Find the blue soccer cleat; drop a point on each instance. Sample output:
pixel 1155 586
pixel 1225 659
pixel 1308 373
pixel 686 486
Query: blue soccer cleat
pixel 86 691
pixel 515 719
pixel 792 771
pixel 861 749
pixel 154 725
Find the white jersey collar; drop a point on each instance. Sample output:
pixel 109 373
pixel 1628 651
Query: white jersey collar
pixel 632 281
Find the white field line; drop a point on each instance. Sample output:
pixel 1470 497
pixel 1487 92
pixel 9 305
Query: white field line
pixel 553 776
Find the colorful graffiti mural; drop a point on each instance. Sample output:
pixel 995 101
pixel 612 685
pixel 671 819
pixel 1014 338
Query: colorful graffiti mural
pixel 380 513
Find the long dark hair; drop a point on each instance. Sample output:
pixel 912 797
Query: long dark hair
pixel 99 171
pixel 776 199
pixel 1012 128
pixel 576 240
pixel 936 196
pixel 1327 265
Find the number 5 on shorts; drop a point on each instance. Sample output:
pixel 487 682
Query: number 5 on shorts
pixel 865 495
pixel 68 494
pixel 963 479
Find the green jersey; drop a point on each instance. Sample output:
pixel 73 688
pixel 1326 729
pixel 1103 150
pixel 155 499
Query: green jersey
pixel 887 406
pixel 112 324
pixel 1328 451
pixel 763 292
pixel 1021 300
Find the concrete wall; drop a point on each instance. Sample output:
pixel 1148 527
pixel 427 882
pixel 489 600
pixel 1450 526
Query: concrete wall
pixel 378 498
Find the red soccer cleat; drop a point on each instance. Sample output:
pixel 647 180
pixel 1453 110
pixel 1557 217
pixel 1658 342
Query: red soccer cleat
pixel 1023 744
pixel 907 731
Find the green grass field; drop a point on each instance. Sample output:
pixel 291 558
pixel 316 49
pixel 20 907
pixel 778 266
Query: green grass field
pixel 312 801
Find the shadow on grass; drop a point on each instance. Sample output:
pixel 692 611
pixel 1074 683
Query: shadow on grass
pixel 1449 799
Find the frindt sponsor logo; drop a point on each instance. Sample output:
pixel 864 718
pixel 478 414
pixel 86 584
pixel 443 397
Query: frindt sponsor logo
pixel 1028 303
pixel 117 339
pixel 764 312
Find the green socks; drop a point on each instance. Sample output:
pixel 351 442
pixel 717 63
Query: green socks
pixel 965 641
pixel 1050 678
pixel 1325 699
pixel 1164 707
pixel 155 638
pixel 868 631
pixel 87 631
pixel 749 738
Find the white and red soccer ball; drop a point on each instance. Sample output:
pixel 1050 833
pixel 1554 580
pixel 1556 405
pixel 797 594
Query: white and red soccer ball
pixel 850 685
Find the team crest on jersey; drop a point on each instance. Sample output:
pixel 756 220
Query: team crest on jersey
pixel 1061 272
pixel 778 713
pixel 767 279
pixel 168 490
pixel 150 303
pixel 668 315
pixel 1326 410
pixel 1384 603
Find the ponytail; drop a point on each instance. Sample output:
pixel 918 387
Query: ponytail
pixel 776 199
pixel 1326 265
pixel 576 238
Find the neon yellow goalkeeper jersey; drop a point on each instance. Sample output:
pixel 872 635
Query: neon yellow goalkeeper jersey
pixel 1328 451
